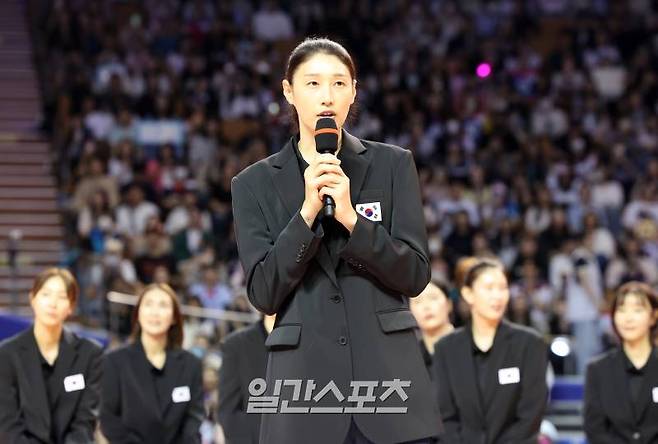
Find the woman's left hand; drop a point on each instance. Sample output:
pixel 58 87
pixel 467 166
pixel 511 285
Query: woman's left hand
pixel 339 190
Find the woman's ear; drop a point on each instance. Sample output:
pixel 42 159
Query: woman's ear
pixel 287 91
pixel 467 294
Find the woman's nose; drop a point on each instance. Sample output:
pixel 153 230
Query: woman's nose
pixel 327 96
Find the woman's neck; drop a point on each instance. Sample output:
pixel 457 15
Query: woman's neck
pixel 153 345
pixel 638 352
pixel 484 332
pixel 47 337
pixel 431 337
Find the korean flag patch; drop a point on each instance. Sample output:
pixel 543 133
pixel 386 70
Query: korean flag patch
pixel 370 210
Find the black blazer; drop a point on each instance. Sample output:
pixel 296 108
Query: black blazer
pixel 24 410
pixel 609 415
pixel 427 357
pixel 244 358
pixel 130 411
pixel 345 322
pixel 514 410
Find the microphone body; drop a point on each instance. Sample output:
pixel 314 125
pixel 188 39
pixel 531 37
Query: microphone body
pixel 326 141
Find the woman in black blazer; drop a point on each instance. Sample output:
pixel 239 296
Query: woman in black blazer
pixel 151 389
pixel 339 284
pixel 49 377
pixel 491 374
pixel 432 308
pixel 621 387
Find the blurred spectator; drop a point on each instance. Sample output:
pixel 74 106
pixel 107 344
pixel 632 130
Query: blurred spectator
pixel 211 291
pixel 94 180
pixel 272 23
pixel 582 285
pixel 96 222
pixel 631 264
pixel 180 217
pixel 154 261
pixel 135 212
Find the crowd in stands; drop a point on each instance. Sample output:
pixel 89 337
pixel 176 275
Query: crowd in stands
pixel 533 124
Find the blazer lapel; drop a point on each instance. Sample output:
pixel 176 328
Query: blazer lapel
pixel 65 360
pixel 287 178
pixel 289 184
pixel 620 398
pixel 143 369
pixel 650 381
pixel 499 350
pixel 37 399
pixel 176 365
pixel 355 161
pixel 466 367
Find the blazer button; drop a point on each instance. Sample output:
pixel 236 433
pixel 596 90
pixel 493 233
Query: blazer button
pixel 342 340
pixel 636 436
pixel 336 298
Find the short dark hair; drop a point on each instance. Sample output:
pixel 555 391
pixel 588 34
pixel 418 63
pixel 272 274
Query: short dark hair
pixel 308 48
pixel 175 333
pixel 70 283
pixel 442 286
pixel 644 292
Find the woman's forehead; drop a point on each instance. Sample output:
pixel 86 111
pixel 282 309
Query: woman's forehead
pixel 156 294
pixel 491 275
pixel 633 298
pixel 54 283
pixel 321 64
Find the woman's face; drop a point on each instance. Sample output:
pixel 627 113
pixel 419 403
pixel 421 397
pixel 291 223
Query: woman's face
pixel 634 318
pixel 51 303
pixel 430 308
pixel 156 313
pixel 321 87
pixel 489 295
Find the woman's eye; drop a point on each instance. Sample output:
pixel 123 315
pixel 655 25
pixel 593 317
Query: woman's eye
pixel 312 83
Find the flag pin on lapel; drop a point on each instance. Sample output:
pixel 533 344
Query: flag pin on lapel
pixel 370 210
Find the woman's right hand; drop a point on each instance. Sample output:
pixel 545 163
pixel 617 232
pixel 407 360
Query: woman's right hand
pixel 323 170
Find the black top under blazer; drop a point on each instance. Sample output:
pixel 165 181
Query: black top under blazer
pixel 610 415
pixel 25 416
pixel 244 358
pixel 513 401
pixel 132 410
pixel 345 322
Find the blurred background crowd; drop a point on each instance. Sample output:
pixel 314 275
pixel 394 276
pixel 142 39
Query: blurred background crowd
pixel 533 124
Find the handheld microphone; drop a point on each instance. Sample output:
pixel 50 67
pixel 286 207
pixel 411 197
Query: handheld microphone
pixel 326 141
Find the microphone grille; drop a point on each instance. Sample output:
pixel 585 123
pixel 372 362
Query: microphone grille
pixel 326 135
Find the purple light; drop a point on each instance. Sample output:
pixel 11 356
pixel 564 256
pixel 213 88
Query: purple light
pixel 483 70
